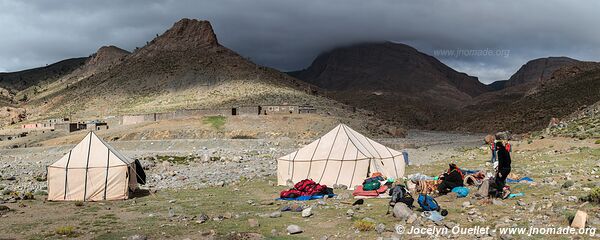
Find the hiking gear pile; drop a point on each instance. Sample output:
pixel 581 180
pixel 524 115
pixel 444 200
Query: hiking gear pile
pixel 372 183
pixel 372 187
pixel 306 187
pixel 400 194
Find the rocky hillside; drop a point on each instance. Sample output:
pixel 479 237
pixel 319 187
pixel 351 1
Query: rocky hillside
pixel 185 67
pixel 581 124
pixel 394 80
pixel 539 70
pixel 21 80
pixel 530 106
pixel 399 83
pixel 106 57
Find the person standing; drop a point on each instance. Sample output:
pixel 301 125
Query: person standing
pixel 491 141
pixel 504 165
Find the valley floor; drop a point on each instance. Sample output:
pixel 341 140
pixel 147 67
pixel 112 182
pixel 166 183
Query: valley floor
pixel 232 182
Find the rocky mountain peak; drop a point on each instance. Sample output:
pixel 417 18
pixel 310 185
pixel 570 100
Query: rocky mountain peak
pixel 539 70
pixel 107 55
pixel 185 34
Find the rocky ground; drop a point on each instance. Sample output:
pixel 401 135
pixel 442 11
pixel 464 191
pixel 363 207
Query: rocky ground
pixel 223 188
pixel 199 163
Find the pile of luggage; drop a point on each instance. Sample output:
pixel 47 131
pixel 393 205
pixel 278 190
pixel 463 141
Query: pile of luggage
pixel 306 188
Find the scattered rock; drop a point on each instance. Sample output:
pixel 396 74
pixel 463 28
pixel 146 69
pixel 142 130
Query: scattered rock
pixel 466 204
pixel 497 202
pixel 253 223
pixel 293 229
pixel 202 218
pixel 380 228
pixel 275 214
pixel 307 212
pixel 4 208
pixel 343 196
pixel 137 237
pixel 412 218
pixel 579 219
pixel 350 213
pixel 572 199
pixel 402 211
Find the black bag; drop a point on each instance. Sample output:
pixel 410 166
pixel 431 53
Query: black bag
pixel 400 194
pixel 139 171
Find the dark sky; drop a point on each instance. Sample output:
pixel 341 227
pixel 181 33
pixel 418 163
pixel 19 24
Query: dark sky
pixel 287 35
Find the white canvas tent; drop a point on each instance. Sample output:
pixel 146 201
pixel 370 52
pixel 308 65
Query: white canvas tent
pixel 342 156
pixel 92 171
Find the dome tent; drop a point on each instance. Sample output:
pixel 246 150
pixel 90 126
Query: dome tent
pixel 93 171
pixel 341 156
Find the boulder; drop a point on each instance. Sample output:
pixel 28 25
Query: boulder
pixel 275 214
pixel 412 218
pixel 137 237
pixel 202 218
pixel 307 212
pixel 380 228
pixel 4 208
pixel 350 213
pixel 579 219
pixel 293 229
pixel 401 211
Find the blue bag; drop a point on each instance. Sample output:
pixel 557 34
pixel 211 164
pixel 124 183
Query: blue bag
pixel 461 191
pixel 428 203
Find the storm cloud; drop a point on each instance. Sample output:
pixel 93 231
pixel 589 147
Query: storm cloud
pixel 288 35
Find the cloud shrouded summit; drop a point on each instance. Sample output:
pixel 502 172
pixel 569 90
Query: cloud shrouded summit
pixel 488 39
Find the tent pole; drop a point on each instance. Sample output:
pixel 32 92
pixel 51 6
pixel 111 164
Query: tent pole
pixel 87 164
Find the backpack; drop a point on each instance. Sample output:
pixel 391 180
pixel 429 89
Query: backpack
pixel 373 179
pixel 428 203
pixel 370 186
pixel 400 194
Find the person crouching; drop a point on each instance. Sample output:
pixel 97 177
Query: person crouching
pixel 451 179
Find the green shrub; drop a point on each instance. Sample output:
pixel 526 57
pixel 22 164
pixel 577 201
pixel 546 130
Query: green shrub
pixel 597 141
pixel 78 203
pixel 593 196
pixel 216 122
pixel 68 231
pixel 569 216
pixel 174 159
pixel 568 184
pixel 364 226
pixel 241 136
